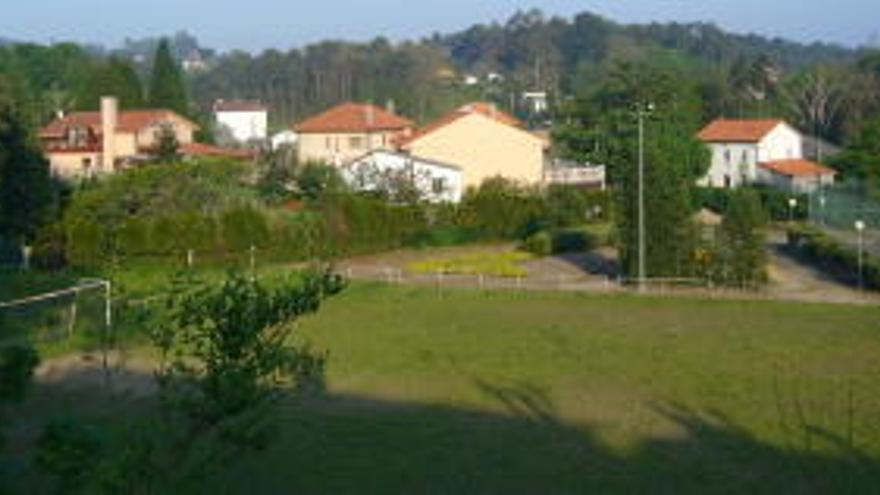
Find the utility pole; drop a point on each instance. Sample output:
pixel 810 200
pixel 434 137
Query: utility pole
pixel 642 111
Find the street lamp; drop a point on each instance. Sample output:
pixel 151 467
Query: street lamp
pixel 822 201
pixel 860 229
pixel 642 111
pixel 792 204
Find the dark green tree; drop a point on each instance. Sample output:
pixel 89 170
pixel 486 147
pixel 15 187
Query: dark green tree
pixel 860 161
pixel 27 191
pixel 604 129
pixel 116 77
pixel 167 88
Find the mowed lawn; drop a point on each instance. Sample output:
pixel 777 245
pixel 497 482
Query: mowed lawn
pixel 470 392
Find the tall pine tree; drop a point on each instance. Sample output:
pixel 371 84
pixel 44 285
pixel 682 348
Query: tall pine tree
pixel 166 84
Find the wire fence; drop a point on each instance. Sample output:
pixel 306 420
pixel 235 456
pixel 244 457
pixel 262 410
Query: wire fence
pixel 839 210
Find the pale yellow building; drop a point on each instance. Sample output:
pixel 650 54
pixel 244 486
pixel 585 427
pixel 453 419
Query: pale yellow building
pixel 484 142
pixel 349 131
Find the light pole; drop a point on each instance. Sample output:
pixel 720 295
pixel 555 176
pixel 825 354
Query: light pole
pixel 822 208
pixel 792 204
pixel 860 229
pixel 642 111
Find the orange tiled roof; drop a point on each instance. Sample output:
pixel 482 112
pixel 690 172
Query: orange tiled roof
pixel 353 117
pixel 797 168
pixel 482 108
pixel 738 131
pixel 129 121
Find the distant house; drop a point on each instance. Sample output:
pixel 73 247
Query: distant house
pixel 381 170
pixel 243 121
pixel 751 151
pixel 484 142
pixel 536 102
pixel 93 143
pixel 349 131
pixel 88 143
pixel 584 175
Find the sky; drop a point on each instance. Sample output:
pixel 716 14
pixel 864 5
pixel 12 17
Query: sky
pixel 255 25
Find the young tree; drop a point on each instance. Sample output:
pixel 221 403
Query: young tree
pixel 743 250
pixel 167 89
pixel 27 191
pixel 167 145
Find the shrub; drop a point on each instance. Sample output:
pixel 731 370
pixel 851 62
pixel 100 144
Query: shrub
pixel 244 227
pixel 573 240
pixel 49 248
pixel 87 243
pixel 832 257
pixel 539 244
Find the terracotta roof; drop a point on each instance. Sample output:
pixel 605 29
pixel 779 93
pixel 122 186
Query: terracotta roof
pixel 482 108
pixel 239 106
pixel 353 117
pixel 201 149
pixel 738 131
pixel 129 121
pixel 797 168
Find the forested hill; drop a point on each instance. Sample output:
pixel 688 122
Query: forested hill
pixel 426 77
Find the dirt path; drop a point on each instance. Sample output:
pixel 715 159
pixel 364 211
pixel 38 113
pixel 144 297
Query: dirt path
pixel 595 272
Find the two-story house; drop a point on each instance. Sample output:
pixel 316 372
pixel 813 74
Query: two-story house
pixel 88 143
pixel 760 151
pixel 349 131
pixel 483 142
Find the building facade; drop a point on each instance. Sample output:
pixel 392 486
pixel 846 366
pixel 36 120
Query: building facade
pixel 484 142
pixel 243 121
pixel 90 143
pixel 349 131
pixel 387 171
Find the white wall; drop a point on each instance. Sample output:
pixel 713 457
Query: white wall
pixel 366 174
pixel 783 143
pixel 244 126
pixel 733 164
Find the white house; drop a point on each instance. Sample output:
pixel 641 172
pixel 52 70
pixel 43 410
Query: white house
pixel 751 151
pixel 284 138
pixel 385 170
pixel 244 121
pixel 535 101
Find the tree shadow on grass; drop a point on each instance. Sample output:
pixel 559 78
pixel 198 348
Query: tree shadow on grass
pixel 338 443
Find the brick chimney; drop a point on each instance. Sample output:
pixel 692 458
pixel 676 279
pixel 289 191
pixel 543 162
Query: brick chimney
pixel 109 124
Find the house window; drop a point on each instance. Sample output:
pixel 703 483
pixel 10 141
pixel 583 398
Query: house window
pixel 329 143
pixel 86 164
pixel 438 185
pixel 727 156
pixel 355 142
pixel 745 157
pixel 727 183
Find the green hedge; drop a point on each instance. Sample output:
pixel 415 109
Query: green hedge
pixel 832 257
pixel 774 202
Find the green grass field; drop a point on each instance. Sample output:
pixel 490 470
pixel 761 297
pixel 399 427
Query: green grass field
pixel 561 393
pixel 524 392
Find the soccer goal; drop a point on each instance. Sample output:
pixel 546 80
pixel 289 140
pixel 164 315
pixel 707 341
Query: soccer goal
pixel 77 317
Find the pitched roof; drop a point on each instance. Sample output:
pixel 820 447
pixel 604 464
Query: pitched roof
pixel 797 168
pixel 482 108
pixel 129 121
pixel 353 117
pixel 738 131
pixel 239 106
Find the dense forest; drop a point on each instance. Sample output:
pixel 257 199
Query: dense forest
pixel 736 75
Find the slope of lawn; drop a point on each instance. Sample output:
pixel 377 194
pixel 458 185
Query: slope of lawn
pixel 562 393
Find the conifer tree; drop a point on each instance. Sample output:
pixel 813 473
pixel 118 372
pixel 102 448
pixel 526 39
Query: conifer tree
pixel 166 84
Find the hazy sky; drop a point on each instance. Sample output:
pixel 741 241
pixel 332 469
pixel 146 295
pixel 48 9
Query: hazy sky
pixel 257 24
